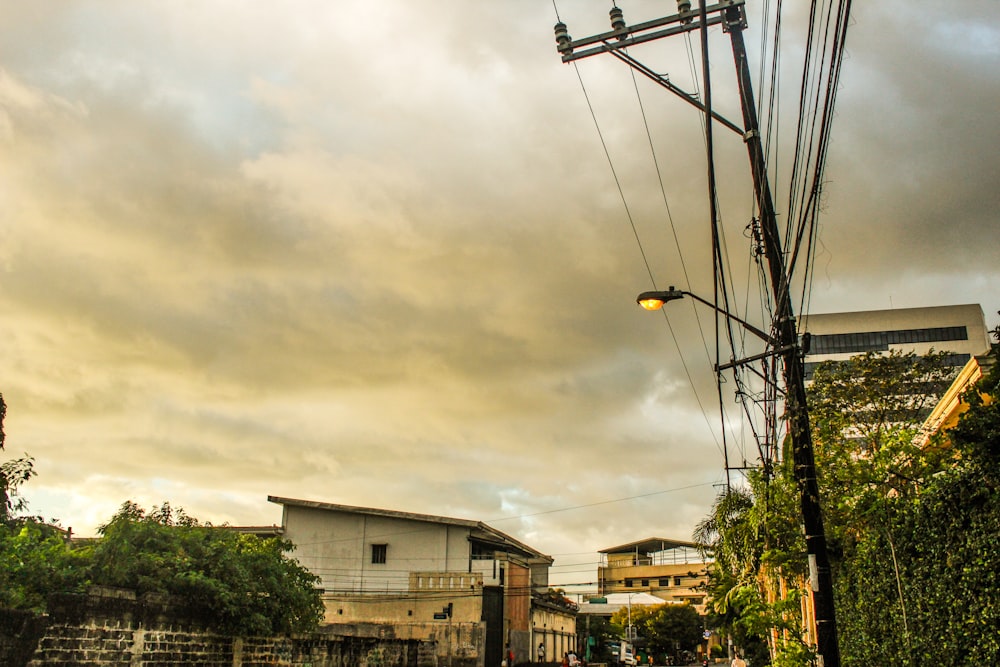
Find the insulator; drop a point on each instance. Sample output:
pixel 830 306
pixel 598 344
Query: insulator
pixel 563 40
pixel 684 6
pixel 617 20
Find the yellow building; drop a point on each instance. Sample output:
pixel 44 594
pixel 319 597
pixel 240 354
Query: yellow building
pixel 672 570
pixel 950 406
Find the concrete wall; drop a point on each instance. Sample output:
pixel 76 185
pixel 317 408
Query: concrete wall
pixel 968 315
pixel 117 630
pixel 660 580
pixel 337 547
pixel 555 629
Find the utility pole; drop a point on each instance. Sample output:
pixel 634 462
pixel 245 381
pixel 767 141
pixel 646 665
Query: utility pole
pixel 731 15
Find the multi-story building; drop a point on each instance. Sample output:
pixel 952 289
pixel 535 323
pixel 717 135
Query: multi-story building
pixel 672 570
pixel 458 584
pixel 958 330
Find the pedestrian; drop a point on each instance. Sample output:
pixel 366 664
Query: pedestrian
pixel 738 661
pixel 541 652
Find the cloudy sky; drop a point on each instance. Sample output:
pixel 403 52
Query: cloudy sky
pixel 375 254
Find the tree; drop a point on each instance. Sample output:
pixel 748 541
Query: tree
pixel 864 413
pixel 34 563
pixel 757 561
pixel 917 568
pixel 242 584
pixel 674 627
pixel 34 558
pixel 597 632
pixel 662 629
pixel 13 474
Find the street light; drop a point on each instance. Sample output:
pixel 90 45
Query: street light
pixel 804 468
pixel 655 299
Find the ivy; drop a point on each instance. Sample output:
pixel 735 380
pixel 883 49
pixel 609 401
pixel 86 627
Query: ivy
pixel 912 531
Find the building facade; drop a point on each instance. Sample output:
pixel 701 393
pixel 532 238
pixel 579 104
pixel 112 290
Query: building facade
pixel 459 584
pixel 671 570
pixel 553 627
pixel 959 330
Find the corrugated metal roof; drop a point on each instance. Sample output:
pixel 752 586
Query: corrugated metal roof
pixel 650 545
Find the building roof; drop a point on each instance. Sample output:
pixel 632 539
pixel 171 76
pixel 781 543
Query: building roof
pixel 650 545
pixel 478 529
pixel 259 531
pixel 616 601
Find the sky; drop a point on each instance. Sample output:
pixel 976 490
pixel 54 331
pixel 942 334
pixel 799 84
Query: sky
pixel 386 254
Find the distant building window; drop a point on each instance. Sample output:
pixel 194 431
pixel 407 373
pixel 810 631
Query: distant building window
pixel 879 341
pixel 629 583
pixel 645 583
pixel 677 581
pixel 955 360
pixel 665 582
pixel 379 552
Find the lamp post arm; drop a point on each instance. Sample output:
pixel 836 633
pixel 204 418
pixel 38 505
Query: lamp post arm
pixel 770 340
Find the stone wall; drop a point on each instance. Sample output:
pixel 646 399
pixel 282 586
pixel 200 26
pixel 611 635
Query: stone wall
pixel 113 629
pixel 19 634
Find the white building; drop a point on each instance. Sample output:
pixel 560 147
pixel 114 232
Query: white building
pixel 458 583
pixel 959 330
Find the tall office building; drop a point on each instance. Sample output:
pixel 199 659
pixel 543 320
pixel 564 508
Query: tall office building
pixel 959 330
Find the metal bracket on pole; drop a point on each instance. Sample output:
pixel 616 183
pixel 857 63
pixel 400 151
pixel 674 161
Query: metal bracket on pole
pixel 757 357
pixel 623 37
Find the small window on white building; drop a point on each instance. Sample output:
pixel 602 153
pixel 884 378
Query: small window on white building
pixel 379 552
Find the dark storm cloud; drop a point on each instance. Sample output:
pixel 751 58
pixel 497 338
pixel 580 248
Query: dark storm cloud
pixel 384 261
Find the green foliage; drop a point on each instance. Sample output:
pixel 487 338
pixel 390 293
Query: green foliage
pixel 662 628
pixel 13 474
pixel 888 547
pixel 34 563
pixel 753 538
pixel 865 414
pixel 34 558
pixel 674 625
pixel 600 631
pixel 242 584
pixel 917 572
pixel 245 583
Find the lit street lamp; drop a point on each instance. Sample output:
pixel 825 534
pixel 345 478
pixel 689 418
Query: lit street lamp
pixel 655 299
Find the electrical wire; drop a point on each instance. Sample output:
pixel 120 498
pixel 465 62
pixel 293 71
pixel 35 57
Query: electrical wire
pixel 642 251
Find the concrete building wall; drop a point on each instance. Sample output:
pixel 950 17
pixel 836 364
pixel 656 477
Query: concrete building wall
pixel 402 574
pixel 555 630
pixel 936 321
pixel 681 582
pixel 337 546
